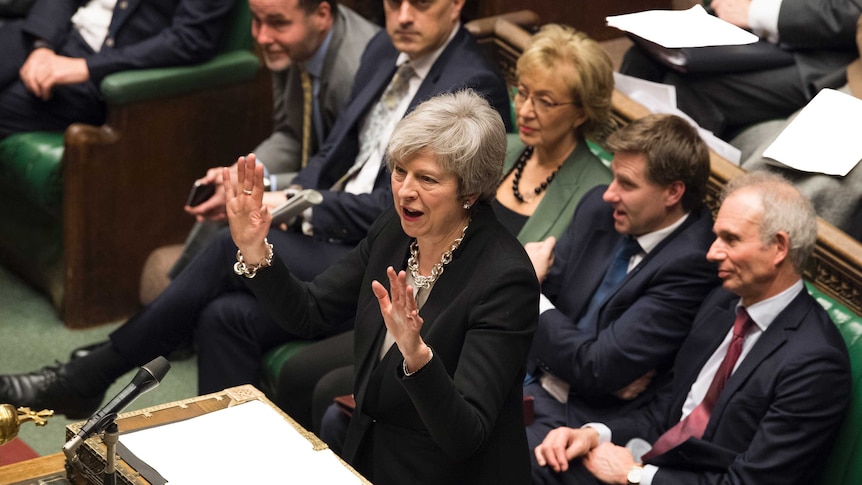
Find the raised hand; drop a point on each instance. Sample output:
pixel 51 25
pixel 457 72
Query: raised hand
pixel 398 307
pixel 249 219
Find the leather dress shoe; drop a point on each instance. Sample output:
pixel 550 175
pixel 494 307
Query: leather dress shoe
pixel 85 350
pixel 48 388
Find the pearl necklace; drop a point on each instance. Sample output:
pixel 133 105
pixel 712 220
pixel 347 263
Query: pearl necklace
pixel 413 262
pixel 519 169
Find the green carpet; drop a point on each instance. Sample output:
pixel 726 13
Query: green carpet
pixel 32 336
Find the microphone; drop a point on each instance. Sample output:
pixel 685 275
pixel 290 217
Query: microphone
pixel 148 377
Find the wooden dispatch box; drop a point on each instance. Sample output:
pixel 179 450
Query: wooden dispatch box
pixel 93 456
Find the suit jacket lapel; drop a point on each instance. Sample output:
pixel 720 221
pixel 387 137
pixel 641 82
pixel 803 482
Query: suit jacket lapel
pixel 369 338
pixel 771 340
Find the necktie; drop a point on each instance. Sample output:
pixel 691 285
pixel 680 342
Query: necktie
pixel 695 423
pixel 379 119
pixel 614 275
pixel 306 115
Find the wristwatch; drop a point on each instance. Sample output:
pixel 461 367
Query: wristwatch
pixel 633 477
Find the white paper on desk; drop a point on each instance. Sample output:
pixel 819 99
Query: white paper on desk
pixel 682 28
pixel 247 443
pixel 661 98
pixel 823 137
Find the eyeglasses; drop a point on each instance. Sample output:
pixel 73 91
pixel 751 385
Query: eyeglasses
pixel 541 104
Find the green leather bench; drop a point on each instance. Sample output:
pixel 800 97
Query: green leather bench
pixel 81 210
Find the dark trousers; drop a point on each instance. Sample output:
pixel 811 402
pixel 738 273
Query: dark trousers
pixel 21 111
pixel 724 103
pixel 210 303
pixel 313 377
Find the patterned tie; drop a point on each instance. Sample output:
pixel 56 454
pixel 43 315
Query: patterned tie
pixel 379 119
pixel 306 115
pixel 695 423
pixel 614 275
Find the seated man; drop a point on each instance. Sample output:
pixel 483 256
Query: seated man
pixel 819 34
pixel 838 200
pixel 433 53
pixel 55 59
pixel 610 315
pixel 316 39
pixel 759 388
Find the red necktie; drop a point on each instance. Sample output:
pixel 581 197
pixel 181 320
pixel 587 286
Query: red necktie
pixel 695 423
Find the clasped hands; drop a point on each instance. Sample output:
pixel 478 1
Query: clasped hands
pixel 44 69
pixel 607 462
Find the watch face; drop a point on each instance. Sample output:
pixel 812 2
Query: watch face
pixel 634 475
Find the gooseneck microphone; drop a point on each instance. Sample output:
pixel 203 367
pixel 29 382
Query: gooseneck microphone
pixel 148 377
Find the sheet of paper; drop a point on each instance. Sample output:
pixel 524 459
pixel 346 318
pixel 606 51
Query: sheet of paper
pixel 247 443
pixel 682 28
pixel 823 137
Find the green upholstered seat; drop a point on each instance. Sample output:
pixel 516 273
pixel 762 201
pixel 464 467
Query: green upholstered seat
pixel 845 463
pixel 34 158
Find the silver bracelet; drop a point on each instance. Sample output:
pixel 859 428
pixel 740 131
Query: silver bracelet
pixel 250 271
pixel 407 373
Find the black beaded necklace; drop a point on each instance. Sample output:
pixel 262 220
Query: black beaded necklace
pixel 519 169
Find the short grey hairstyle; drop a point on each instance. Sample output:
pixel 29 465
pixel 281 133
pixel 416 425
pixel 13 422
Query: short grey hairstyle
pixel 784 209
pixel 463 134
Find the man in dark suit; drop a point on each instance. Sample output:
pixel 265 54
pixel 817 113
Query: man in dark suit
pixel 818 33
pixel 761 385
pixel 597 345
pixel 55 59
pixel 207 300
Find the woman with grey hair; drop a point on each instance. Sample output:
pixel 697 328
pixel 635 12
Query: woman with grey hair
pixel 444 299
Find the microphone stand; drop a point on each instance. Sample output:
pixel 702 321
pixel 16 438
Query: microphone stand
pixel 110 438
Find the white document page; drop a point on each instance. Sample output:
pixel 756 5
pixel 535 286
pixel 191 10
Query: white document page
pixel 682 28
pixel 823 137
pixel 247 443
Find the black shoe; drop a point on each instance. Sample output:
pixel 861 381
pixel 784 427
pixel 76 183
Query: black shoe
pixel 48 388
pixel 85 350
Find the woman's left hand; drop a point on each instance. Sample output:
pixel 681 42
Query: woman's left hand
pixel 249 219
pixel 402 319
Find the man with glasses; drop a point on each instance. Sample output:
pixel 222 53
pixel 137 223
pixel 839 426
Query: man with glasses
pixel 625 283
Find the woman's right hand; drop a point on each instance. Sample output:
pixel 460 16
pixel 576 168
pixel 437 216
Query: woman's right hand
pixel 248 217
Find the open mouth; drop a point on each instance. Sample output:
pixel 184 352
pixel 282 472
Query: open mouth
pixel 411 214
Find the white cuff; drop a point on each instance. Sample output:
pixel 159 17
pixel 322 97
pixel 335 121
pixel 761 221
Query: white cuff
pixel 763 18
pixel 604 431
pixel 545 304
pixel 648 474
pixel 307 227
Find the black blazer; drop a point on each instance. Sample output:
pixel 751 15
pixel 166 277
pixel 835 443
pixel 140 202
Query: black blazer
pixel 460 418
pixel 778 415
pixel 347 217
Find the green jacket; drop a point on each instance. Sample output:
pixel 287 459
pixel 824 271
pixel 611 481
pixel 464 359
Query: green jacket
pixel 580 172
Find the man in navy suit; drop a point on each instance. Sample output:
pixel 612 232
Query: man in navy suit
pixel 207 300
pixel 598 345
pixel 55 59
pixel 760 387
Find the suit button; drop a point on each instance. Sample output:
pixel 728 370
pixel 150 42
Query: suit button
pixel 109 42
pixel 124 5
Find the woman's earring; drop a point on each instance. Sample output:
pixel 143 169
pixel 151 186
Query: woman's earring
pixel 467 205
